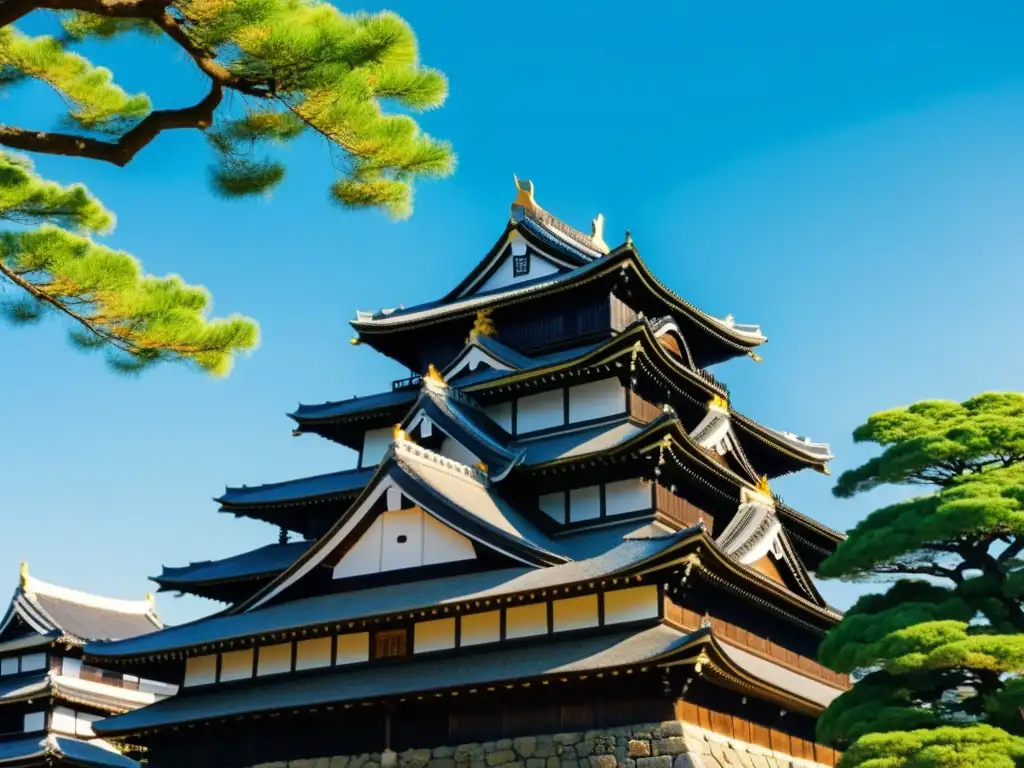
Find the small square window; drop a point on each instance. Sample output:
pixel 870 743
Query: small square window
pixel 390 644
pixel 520 264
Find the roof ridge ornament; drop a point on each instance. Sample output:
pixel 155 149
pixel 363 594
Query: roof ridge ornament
pixel 399 435
pixel 23 574
pixel 718 402
pixel 597 232
pixel 762 485
pixel 483 325
pixel 434 375
pixel 524 195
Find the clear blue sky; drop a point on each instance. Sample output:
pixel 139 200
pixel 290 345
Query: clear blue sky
pixel 852 180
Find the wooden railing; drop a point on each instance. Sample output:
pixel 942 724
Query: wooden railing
pixel 680 510
pixel 407 383
pixel 724 630
pixel 753 733
pixel 97 675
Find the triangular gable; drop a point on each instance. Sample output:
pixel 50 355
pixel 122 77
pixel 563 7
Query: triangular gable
pixel 487 352
pixel 517 260
pixel 458 499
pixel 472 437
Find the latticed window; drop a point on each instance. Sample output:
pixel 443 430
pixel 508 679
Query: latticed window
pixel 390 644
pixel 520 264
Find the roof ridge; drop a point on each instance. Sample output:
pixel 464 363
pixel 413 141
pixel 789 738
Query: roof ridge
pixel 407 449
pixel 32 586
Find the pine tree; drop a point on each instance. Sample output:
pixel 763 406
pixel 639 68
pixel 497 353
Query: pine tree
pixel 296 66
pixel 939 656
pixel 49 263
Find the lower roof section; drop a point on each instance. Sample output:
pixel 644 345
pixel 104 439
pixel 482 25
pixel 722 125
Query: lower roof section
pixel 267 560
pixel 416 676
pixel 56 751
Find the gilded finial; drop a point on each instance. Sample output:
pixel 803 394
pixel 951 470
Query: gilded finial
pixel 702 659
pixel 434 375
pixel 597 232
pixel 717 401
pixel 398 433
pixel 23 574
pixel 524 194
pixel 481 466
pixel 763 487
pixel 629 237
pixel 825 470
pixel 755 357
pixel 355 341
pixel 483 325
pixel 151 600
pixel 729 319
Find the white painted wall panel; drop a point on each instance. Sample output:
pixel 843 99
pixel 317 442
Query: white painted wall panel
pixel 540 411
pixel 503 276
pixel 34 722
pixel 274 659
pixel 575 613
pixel 624 496
pixel 596 399
pixel 365 554
pixel 9 666
pixel 375 443
pixel 526 620
pixel 441 544
pixel 480 628
pixel 553 505
pixel 63 721
pixel 456 451
pixel 70 667
pixel 33 661
pixel 353 648
pixel 236 665
pixel 501 413
pixel 584 503
pixel 83 724
pixel 632 604
pixel 201 670
pixel 435 635
pixel 313 654
pixel 403 539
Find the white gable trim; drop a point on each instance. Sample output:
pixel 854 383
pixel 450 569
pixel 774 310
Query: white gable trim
pixel 328 545
pixel 471 358
pixel 504 253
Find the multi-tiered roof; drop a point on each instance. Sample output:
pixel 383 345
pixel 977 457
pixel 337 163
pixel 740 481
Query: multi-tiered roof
pixel 564 507
pixel 49 698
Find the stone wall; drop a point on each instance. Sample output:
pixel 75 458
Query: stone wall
pixel 672 744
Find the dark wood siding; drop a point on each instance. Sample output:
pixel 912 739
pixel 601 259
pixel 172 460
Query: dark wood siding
pixel 642 410
pixel 681 511
pixel 621 313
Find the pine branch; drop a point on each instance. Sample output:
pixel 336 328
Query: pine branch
pixel 122 151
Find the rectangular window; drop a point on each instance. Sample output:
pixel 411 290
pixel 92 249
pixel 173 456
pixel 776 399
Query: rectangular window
pixel 390 644
pixel 520 264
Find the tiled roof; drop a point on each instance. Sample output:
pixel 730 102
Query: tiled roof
pixel 48 609
pixel 396 598
pixel 55 750
pixel 418 674
pixel 272 558
pixel 365 403
pixel 333 484
pixel 24 686
pixel 564 445
pixel 780 677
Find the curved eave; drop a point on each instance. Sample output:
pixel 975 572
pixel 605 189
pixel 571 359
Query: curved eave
pixel 240 506
pixel 623 257
pixel 790 454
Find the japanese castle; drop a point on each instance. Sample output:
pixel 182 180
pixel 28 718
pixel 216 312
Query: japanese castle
pixel 49 698
pixel 559 545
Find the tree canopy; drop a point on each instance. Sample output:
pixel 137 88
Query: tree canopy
pixel 295 67
pixel 56 267
pixel 940 655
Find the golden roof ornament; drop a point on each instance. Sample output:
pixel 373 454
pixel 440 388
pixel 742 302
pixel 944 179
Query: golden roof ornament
pixel 398 433
pixel 762 486
pixel 597 232
pixel 717 401
pixel 483 325
pixel 755 357
pixel 481 466
pixel 355 341
pixel 702 659
pixel 434 375
pixel 23 574
pixel 524 195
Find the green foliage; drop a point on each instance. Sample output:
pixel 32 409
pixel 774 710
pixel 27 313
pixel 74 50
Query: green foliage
pixel 137 319
pixel 947 653
pixel 300 66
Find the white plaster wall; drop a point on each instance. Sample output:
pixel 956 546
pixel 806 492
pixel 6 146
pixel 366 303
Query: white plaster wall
pixel 236 665
pixel 427 542
pixel 553 505
pixel 456 451
pixel 502 415
pixel 71 667
pixel 33 661
pixel 479 628
pixel 63 721
pixel 596 399
pixel 34 721
pixel 200 670
pixel 631 495
pixel 83 724
pixel 584 503
pixel 353 648
pixel 312 654
pixel 539 267
pixel 540 411
pixel 632 604
pixel 375 443
pixel 435 635
pixel 9 666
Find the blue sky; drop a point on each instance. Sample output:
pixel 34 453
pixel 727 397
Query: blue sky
pixel 852 180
